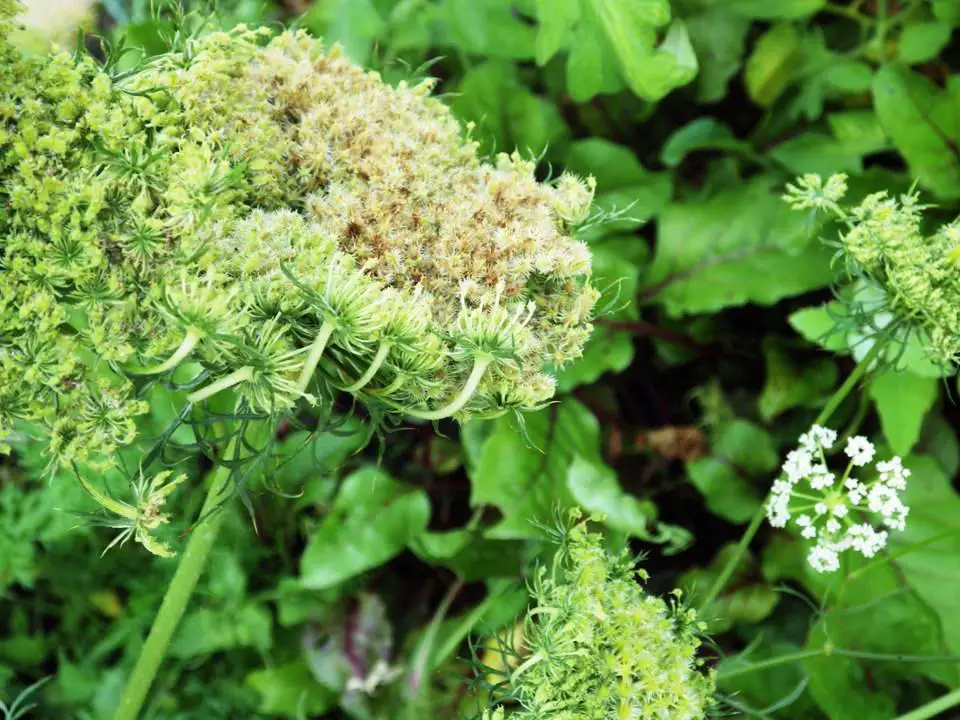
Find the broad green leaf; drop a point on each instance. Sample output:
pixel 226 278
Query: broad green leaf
pixel 523 470
pixel 839 685
pixel 556 19
pixel 489 28
pixel 742 460
pixel 205 630
pixel 777 10
pixel 469 555
pixel 768 686
pixel 789 385
pixel 859 131
pixel 596 489
pixel 813 152
pixel 371 521
pixel 468 21
pixel 924 124
pixel 947 10
pixel 291 691
pixel 848 76
pixel 744 598
pixel 903 400
pixel 352 23
pixel 704 133
pixel 591 65
pixel 742 245
pixel 719 41
pixel 772 64
pixel 624 186
pixel 630 26
pixel 923 41
pixel 927 552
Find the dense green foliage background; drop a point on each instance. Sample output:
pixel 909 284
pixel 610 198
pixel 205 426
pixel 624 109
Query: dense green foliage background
pixel 706 365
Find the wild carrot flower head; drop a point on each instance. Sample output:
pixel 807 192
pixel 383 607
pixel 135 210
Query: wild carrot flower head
pixel 838 513
pixel 597 646
pixel 262 208
pixel 883 244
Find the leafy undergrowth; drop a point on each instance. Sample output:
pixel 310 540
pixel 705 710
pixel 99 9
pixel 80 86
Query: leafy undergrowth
pixel 363 579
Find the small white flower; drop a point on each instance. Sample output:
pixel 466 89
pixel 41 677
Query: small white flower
pixel 823 559
pixel 859 450
pixel 845 518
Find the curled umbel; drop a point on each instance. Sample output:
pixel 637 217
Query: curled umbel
pixel 257 211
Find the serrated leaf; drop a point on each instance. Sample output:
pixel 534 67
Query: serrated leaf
pixel 740 246
pixel 371 521
pixel 903 400
pixel 719 41
pixel 924 124
pixel 704 133
pixel 591 66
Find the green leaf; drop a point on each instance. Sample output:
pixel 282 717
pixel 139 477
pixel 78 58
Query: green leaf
pixel 556 19
pixel 591 65
pixel 847 76
pixel 704 133
pixel 744 599
pixel 742 245
pixel 596 489
pixel 903 400
pixel 352 23
pixel 623 184
pixel 924 124
pixel 813 152
pixel 291 691
pixel 205 631
pixel 781 9
pixel 932 568
pixel 772 64
pixel 470 556
pixel 523 470
pixel 630 26
pixel 839 685
pixel 923 41
pixel 371 521
pixel 719 41
pixel 740 451
pixel 790 385
pixel 490 28
pixel 859 131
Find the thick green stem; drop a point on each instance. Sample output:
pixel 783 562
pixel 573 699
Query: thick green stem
pixel 194 557
pixel 190 341
pixel 832 404
pixel 227 381
pixel 316 352
pixel 934 707
pixel 480 366
pixel 375 364
pixel 192 562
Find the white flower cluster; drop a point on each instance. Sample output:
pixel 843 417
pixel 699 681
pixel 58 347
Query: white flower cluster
pixel 840 514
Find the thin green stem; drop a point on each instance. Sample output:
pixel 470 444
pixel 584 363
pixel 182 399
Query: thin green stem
pixel 227 381
pixel 480 366
pixel 934 707
pixel 832 404
pixel 316 352
pixel 375 365
pixel 189 342
pixel 769 663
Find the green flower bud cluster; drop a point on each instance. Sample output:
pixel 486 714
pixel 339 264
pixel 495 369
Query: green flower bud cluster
pixel 884 241
pixel 599 648
pixel 260 207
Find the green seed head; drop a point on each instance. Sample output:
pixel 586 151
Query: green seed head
pixel 235 202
